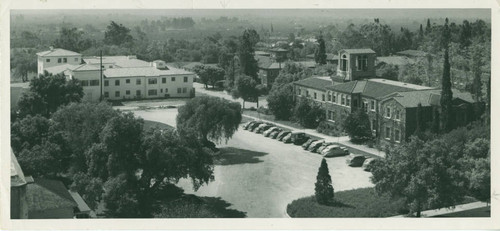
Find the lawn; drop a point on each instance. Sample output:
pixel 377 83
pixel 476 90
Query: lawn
pixel 151 124
pixel 363 202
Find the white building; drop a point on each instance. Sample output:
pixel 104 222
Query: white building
pixel 124 77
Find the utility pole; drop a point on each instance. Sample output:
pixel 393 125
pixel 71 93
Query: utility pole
pixel 100 67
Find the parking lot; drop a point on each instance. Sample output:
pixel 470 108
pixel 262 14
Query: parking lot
pixel 260 176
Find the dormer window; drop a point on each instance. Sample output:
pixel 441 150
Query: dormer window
pixel 362 63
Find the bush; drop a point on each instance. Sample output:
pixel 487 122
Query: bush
pixel 264 110
pixel 308 114
pixel 357 126
pixel 323 187
pixel 330 129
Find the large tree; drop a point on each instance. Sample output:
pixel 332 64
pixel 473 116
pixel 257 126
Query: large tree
pixel 357 126
pixel 320 53
pixel 47 93
pixel 117 34
pixel 308 113
pixel 23 62
pixel 323 189
pixel 446 93
pixel 72 39
pixel 246 53
pixel 281 101
pixel 209 75
pixel 425 174
pixel 245 87
pixel 209 118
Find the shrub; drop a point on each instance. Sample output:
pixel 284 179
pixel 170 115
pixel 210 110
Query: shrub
pixel 357 126
pixel 323 187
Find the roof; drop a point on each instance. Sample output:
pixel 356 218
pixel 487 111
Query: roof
pixel 262 53
pixel 60 68
pixel 427 98
pixel 395 60
pixel 375 88
pixel 120 61
pixel 16 173
pixel 359 51
pixel 316 82
pixel 413 53
pixel 57 52
pixel 47 194
pixel 142 71
pixel 87 67
pixel 191 65
pixel 82 206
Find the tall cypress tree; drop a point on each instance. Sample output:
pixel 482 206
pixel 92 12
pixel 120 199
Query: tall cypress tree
pixel 320 54
pixel 428 27
pixel 446 93
pixel 323 187
pixel 246 52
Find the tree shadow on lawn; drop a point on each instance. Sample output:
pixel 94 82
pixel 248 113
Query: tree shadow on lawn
pixel 339 204
pixel 220 207
pixel 232 156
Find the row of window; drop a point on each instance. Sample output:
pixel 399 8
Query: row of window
pixel 86 83
pixel 389 113
pixel 397 134
pixel 139 82
pixel 62 60
pixel 151 92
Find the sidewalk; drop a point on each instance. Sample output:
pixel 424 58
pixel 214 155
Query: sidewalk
pixel 444 211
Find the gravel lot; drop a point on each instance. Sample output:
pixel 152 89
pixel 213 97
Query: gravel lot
pixel 260 176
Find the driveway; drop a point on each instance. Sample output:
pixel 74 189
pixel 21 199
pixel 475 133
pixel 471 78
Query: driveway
pixel 260 176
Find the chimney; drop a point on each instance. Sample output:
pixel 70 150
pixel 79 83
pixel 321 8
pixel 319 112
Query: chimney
pixel 51 48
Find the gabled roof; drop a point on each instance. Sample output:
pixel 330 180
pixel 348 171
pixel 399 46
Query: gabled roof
pixel 375 88
pixel 47 194
pixel 412 53
pixel 426 98
pixel 359 51
pixel 87 67
pixel 57 52
pixel 142 71
pixel 316 82
pixel 346 87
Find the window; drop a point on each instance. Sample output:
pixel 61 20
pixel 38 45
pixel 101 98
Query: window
pixel 173 79
pixel 47 60
pixel 307 93
pixel 117 93
pixel 314 95
pixel 152 81
pixel 372 105
pixel 65 60
pixel 127 81
pixel 397 135
pixel 388 112
pixel 163 80
pixel 106 83
pixel 184 90
pixel 329 97
pixel 185 79
pixel 76 59
pixel 152 92
pixel 166 90
pixel 342 99
pixel 179 90
pixel 323 97
pixel 106 94
pixel 396 114
pixel 59 60
pixel 161 90
pixel 138 93
pixel 362 63
pixel 365 106
pixel 348 100
pixel 94 82
pixel 299 92
pixel 85 83
pixel 388 132
pixel 334 97
pixel 117 82
pixel 127 92
pixel 138 81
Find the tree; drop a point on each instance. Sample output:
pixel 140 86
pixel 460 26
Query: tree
pixel 425 174
pixel 22 63
pixel 209 118
pixel 71 39
pixel 246 88
pixel 308 113
pixel 47 93
pixel 323 189
pixel 388 71
pixel 320 53
pixel 428 27
pixel 446 93
pixel 281 101
pixel 357 126
pixel 117 34
pixel 209 75
pixel 246 53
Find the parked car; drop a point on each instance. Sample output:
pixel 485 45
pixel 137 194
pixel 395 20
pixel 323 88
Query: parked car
pixel 249 124
pixel 259 126
pixel 368 164
pixel 275 134
pixel 315 145
pixel 298 138
pixel 323 146
pixel 282 135
pixel 254 125
pixel 355 160
pixel 307 143
pixel 288 138
pixel 334 150
pixel 268 131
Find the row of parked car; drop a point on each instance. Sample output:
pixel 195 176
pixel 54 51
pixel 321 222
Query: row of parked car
pixel 326 149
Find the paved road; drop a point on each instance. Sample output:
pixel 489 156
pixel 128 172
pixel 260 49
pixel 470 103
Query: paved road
pixel 263 175
pixel 222 94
